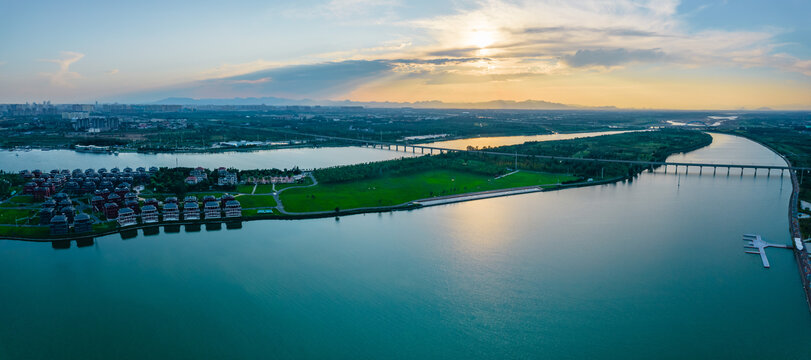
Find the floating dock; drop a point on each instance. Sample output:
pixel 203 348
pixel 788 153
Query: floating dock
pixel 757 245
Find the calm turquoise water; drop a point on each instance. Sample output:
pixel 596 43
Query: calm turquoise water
pixel 652 269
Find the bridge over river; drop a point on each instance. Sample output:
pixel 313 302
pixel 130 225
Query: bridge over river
pixel 423 149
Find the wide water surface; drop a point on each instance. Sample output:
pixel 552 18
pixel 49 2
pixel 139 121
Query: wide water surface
pixel 494 141
pixel 652 269
pixel 305 158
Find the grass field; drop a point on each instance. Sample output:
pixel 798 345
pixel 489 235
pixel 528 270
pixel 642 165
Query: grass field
pixel 388 191
pixel 18 201
pixel 7 216
pixel 39 231
pixel 264 189
pixel 22 199
pixel 254 201
pixel 105 226
pixel 245 189
pixel 268 188
pixel 9 204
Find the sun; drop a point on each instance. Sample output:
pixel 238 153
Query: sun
pixel 481 38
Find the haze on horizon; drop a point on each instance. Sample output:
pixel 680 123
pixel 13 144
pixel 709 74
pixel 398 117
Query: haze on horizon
pixel 630 54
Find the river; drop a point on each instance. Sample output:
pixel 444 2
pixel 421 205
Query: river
pixel 495 141
pixel 649 269
pixel 305 158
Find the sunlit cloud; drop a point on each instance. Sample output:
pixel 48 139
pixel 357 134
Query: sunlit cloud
pixel 63 76
pixel 499 41
pixel 571 52
pixel 592 33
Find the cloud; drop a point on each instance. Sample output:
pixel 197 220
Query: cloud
pixel 63 76
pixel 112 72
pixel 226 70
pixel 579 34
pixel 440 61
pixel 319 81
pixel 504 41
pixel 611 57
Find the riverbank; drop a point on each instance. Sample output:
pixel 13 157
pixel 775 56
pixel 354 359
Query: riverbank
pixel 409 183
pixel 407 206
pixel 801 256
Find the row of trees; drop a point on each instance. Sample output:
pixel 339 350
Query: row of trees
pixel 173 180
pixel 8 181
pixel 644 146
pixel 269 172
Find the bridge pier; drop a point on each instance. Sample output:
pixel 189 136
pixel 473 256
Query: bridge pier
pixel 665 169
pixel 700 170
pixel 728 168
pixel 755 174
pixel 686 169
pixel 714 169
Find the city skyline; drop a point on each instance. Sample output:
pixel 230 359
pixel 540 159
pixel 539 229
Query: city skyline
pixel 628 54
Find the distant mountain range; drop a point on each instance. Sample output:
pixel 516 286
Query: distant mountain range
pixel 274 101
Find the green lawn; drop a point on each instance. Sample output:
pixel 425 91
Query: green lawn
pixel 387 191
pixel 22 199
pixel 7 216
pixel 105 226
pixel 254 201
pixel 268 188
pixel 39 231
pixel 9 204
pixel 264 189
pixel 245 189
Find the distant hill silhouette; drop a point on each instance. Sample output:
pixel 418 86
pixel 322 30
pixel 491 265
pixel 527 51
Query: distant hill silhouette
pixel 274 101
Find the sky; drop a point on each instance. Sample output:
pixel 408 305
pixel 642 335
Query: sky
pixel 662 54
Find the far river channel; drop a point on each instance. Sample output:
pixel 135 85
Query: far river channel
pixel 651 269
